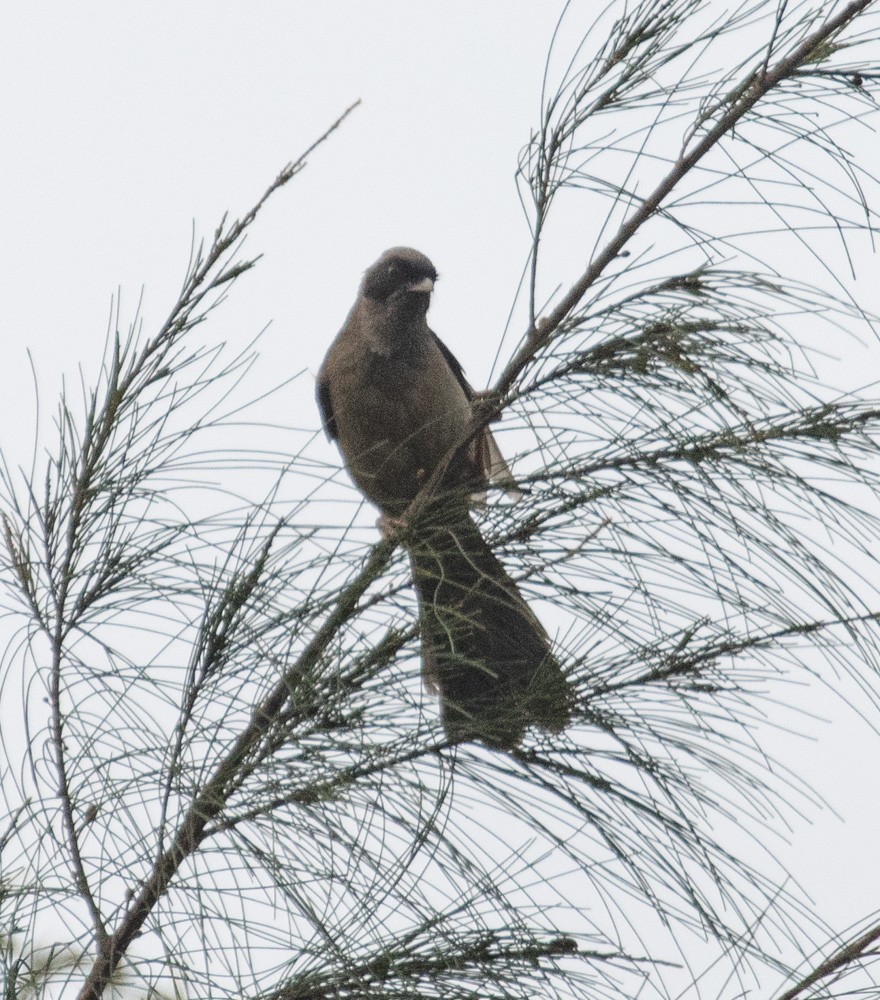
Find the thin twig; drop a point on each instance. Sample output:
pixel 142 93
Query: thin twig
pixel 843 957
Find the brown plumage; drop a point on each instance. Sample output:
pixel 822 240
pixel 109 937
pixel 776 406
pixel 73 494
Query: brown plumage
pixel 396 401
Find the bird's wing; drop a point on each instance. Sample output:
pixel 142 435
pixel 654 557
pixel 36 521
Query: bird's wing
pixel 495 467
pixel 325 405
pixel 489 457
pixel 454 365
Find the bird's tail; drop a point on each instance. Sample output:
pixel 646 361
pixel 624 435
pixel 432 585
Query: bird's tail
pixel 483 650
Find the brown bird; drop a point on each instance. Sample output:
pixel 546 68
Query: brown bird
pixel 396 401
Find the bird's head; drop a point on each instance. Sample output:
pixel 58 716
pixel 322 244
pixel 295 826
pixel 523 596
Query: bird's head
pixel 401 280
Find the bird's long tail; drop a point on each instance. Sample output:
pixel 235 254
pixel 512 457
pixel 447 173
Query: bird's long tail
pixel 483 650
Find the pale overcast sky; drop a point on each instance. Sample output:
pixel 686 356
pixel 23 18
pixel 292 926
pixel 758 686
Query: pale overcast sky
pixel 124 124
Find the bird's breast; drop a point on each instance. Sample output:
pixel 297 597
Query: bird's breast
pixel 397 417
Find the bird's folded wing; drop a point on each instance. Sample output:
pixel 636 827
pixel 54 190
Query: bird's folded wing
pixel 494 466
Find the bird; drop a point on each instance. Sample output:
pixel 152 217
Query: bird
pixel 396 401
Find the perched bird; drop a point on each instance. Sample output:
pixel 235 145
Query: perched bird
pixel 396 401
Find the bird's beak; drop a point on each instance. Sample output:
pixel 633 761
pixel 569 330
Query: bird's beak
pixel 425 285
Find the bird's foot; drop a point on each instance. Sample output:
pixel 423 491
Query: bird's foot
pixel 485 399
pixel 390 526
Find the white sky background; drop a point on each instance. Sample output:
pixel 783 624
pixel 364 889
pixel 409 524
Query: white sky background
pixel 123 123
